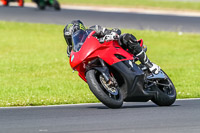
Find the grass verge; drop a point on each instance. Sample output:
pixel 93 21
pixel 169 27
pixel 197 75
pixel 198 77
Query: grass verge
pixel 34 68
pixel 186 5
pixel 158 4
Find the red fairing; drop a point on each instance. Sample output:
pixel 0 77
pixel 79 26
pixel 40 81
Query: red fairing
pixel 92 49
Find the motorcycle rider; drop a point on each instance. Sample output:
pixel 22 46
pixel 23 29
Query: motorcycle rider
pixel 126 41
pixel 43 3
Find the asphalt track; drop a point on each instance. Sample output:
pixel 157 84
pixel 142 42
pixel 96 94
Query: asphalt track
pixel 106 19
pixel 182 117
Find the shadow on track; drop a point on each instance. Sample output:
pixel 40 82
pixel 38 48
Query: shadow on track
pixel 134 106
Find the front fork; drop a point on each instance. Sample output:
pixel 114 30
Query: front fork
pixel 100 66
pixel 104 71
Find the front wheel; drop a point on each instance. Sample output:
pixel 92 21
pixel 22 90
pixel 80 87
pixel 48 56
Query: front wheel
pixel 166 92
pixel 56 5
pixel 108 93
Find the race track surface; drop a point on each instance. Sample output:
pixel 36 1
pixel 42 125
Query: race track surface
pixel 106 19
pixel 182 117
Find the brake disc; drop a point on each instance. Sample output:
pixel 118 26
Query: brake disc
pixel 110 86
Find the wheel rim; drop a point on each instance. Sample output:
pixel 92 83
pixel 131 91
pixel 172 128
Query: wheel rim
pixel 110 88
pixel 163 84
pixel 166 86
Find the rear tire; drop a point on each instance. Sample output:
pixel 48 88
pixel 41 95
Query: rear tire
pixel 166 96
pixel 111 101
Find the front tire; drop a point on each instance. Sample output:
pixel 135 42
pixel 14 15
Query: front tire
pixel 166 95
pixel 98 88
pixel 56 5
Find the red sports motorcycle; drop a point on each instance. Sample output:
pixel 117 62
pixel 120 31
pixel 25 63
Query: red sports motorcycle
pixel 112 74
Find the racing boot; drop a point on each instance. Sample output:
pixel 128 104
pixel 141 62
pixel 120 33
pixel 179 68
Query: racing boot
pixel 145 61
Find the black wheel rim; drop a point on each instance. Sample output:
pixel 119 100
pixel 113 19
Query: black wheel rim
pixel 166 86
pixel 112 92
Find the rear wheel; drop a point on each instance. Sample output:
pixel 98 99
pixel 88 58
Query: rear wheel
pixel 166 94
pixel 108 93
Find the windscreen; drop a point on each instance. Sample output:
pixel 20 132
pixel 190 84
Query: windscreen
pixel 78 38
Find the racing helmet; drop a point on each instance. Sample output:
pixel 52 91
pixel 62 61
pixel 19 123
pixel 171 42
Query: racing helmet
pixel 71 28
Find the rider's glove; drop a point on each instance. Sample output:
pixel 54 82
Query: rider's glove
pixel 101 31
pixel 99 34
pixel 154 69
pixel 116 30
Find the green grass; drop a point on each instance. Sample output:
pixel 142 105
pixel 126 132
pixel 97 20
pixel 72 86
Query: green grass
pixel 159 4
pixel 34 68
pixel 152 4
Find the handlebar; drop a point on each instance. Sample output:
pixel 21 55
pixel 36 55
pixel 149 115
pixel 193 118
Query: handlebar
pixel 109 37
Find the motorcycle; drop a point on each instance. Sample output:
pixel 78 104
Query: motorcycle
pixel 43 3
pixel 113 75
pixel 6 2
